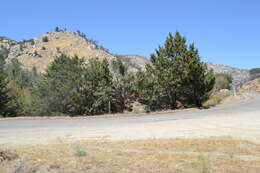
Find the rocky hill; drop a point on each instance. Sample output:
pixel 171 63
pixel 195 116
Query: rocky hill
pixel 40 52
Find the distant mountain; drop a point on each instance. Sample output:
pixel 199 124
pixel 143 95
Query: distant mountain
pixel 240 76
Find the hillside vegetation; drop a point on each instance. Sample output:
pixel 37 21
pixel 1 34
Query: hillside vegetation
pixel 95 82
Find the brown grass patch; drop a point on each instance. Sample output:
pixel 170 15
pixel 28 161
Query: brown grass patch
pixel 153 155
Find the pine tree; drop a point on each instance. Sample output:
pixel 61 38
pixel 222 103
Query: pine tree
pixel 167 69
pixel 176 74
pixel 70 86
pixel 4 97
pixel 123 88
pixel 199 80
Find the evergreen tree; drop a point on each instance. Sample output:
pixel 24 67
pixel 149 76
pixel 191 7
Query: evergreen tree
pixel 123 88
pixel 175 75
pixel 4 97
pixel 199 81
pixel 167 70
pixel 71 86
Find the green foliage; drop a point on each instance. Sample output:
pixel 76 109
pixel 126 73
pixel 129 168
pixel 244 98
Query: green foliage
pixel 175 75
pixel 198 80
pixel 175 78
pixel 3 55
pixel 21 76
pixel 72 87
pixel 123 88
pixel 80 151
pixel 57 29
pixel 20 87
pixel 5 99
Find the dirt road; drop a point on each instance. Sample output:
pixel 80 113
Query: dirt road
pixel 239 120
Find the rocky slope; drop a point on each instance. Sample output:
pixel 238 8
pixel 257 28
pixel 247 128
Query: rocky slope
pixel 251 86
pixel 40 52
pixel 135 62
pixel 240 76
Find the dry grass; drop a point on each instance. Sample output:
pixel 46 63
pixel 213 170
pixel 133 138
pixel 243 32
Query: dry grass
pixel 217 98
pixel 59 42
pixel 154 155
pixel 251 86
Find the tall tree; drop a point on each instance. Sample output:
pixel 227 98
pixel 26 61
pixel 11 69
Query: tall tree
pixel 123 88
pixel 167 68
pixel 73 87
pixel 176 75
pixel 199 81
pixel 4 97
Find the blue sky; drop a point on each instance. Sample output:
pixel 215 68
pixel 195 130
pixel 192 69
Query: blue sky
pixel 224 31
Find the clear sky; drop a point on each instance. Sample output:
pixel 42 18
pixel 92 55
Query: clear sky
pixel 225 31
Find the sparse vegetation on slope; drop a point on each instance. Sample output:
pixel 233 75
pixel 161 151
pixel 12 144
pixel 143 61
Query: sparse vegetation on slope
pixel 251 86
pixel 255 73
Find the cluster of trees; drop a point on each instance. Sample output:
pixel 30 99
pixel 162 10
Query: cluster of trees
pixel 176 77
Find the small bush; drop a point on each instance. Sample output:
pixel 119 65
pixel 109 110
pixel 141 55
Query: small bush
pixel 222 81
pixel 45 39
pixel 58 49
pixel 79 150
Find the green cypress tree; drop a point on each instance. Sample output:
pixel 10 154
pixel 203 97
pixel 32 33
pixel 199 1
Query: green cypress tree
pixel 176 74
pixel 167 69
pixel 199 81
pixel 71 86
pixel 123 87
pixel 4 97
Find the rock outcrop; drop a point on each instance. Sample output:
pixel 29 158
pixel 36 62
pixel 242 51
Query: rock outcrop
pixel 239 76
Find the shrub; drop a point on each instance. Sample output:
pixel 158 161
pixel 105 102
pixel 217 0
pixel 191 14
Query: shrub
pixel 222 81
pixel 79 150
pixel 45 39
pixel 57 29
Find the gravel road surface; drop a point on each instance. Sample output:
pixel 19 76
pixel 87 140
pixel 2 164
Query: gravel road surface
pixel 239 120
